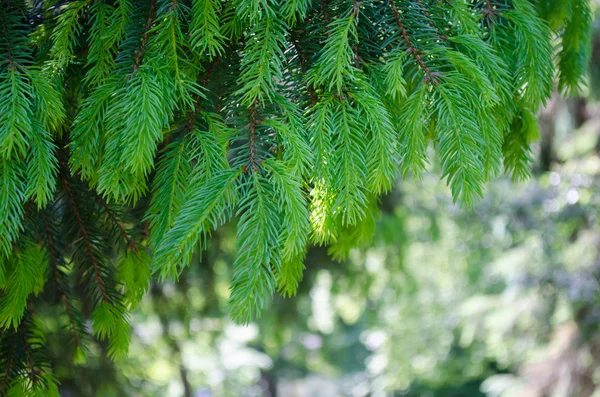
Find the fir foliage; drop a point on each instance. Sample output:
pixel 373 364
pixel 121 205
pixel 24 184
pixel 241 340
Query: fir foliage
pixel 130 131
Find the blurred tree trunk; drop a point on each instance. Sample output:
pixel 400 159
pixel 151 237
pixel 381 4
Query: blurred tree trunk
pixel 268 382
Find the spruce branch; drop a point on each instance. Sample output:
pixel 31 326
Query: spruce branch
pixel 86 241
pixel 489 10
pixel 430 77
pixel 131 244
pixel 137 59
pixel 288 118
pixel 9 370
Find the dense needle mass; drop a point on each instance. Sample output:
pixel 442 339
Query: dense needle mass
pixel 131 130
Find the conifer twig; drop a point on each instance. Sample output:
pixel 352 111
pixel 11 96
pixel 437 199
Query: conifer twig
pixel 252 142
pixel 130 243
pixel 11 62
pixel 302 61
pixel 430 76
pixel 28 353
pixel 8 369
pixel 52 253
pixel 138 56
pixel 71 321
pixel 489 11
pixel 86 240
pixel 59 292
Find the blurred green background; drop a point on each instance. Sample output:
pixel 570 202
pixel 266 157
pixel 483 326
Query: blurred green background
pixel 501 300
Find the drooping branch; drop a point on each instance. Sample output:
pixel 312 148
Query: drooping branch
pixel 252 142
pixel 86 241
pixel 432 25
pixel 53 257
pixel 9 369
pixel 9 56
pixel 302 60
pixel 34 372
pixel 59 292
pixel 72 321
pixel 111 214
pixel 210 70
pixel 140 52
pixel 191 117
pixel 430 77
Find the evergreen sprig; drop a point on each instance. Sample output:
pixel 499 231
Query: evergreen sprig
pixel 131 131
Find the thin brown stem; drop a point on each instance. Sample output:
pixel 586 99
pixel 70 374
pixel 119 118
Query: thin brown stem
pixel 59 292
pixel 252 129
pixel 489 11
pixel 52 253
pixel 71 320
pixel 356 10
pixel 28 354
pixel 303 67
pixel 432 25
pixel 8 369
pixel 130 243
pixel 139 54
pixel 9 56
pixel 209 71
pixel 189 125
pixel 86 241
pixel 429 75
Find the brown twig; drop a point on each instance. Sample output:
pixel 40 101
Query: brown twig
pixel 130 243
pixel 429 75
pixel 8 369
pixel 11 61
pixel 252 143
pixel 52 254
pixel 191 117
pixel 303 67
pixel 432 25
pixel 489 11
pixel 71 321
pixel 86 240
pixel 140 52
pixel 28 353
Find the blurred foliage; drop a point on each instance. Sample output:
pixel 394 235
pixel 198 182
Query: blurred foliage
pixel 502 300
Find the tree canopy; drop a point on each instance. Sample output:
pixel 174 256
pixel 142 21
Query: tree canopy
pixel 131 131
